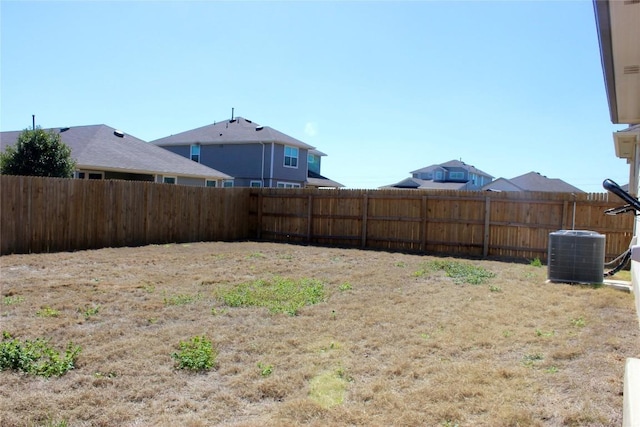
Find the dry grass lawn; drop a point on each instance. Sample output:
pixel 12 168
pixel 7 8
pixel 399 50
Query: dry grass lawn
pixel 386 347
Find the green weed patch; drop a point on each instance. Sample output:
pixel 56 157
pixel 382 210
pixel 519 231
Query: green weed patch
pixel 36 357
pixel 460 272
pixel 279 295
pixel 196 354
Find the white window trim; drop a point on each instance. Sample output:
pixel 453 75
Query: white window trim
pixel 255 182
pixel 215 183
pixel 227 181
pixel 284 158
pixel 191 152
pixel 87 172
pixel 175 179
pixel 284 184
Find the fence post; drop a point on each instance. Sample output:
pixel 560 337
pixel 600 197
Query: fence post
pixel 309 218
pixel 565 208
pixel 365 214
pixel 425 222
pixel 259 231
pixel 487 222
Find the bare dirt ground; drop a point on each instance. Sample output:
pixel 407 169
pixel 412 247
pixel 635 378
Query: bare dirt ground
pixel 387 346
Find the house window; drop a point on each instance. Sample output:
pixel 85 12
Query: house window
pixel 227 184
pixel 255 184
pixel 169 179
pixel 456 175
pixel 90 175
pixel 211 183
pixel 195 153
pixel 313 162
pixel 291 157
pixel 287 185
pixel 438 176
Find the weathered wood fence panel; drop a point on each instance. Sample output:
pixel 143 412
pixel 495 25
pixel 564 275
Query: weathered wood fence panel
pixel 509 225
pixel 48 214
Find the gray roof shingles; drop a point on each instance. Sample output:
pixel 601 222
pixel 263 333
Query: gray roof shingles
pixel 238 130
pixel 534 181
pixel 98 147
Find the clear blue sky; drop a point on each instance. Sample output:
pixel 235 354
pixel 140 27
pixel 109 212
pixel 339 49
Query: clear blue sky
pixel 383 88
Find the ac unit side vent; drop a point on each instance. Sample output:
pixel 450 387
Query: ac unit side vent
pixel 631 69
pixel 576 256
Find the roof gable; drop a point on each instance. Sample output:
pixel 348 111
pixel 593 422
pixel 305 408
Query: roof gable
pixel 534 181
pixel 234 131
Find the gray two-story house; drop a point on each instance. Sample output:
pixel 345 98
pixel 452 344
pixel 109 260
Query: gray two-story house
pixel 255 155
pixel 452 175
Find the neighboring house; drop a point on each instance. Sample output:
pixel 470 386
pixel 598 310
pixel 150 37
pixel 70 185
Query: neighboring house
pixel 452 175
pixel 102 152
pixel 314 179
pixel 256 156
pixel 531 181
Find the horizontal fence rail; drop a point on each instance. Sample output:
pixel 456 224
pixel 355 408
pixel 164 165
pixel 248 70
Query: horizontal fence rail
pixel 483 224
pixel 51 214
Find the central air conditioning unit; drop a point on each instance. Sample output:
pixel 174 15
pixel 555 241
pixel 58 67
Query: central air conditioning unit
pixel 576 256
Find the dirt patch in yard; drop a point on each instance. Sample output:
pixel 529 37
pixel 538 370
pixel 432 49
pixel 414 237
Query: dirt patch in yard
pixel 393 341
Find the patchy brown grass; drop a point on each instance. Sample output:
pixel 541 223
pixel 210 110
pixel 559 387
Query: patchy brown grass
pixel 394 349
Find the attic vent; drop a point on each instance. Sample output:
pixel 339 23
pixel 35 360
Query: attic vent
pixel 63 129
pixel 258 128
pixel 248 121
pixel 632 69
pixel 118 133
pixel 232 121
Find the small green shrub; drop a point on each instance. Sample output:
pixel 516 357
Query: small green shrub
pixel 346 286
pixel 545 334
pixel 47 312
pixel 36 357
pixel 579 322
pixel 552 370
pixel 279 295
pixel 530 360
pixel 196 354
pixel 88 312
pixel 536 262
pixel 265 370
pixel 12 300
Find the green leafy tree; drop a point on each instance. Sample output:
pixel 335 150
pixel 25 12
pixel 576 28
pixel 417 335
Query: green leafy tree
pixel 38 153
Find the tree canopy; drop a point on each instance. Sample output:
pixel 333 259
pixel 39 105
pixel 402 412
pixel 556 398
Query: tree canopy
pixel 38 153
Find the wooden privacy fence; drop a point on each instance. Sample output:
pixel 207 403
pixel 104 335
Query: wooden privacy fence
pixel 506 224
pixel 49 214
